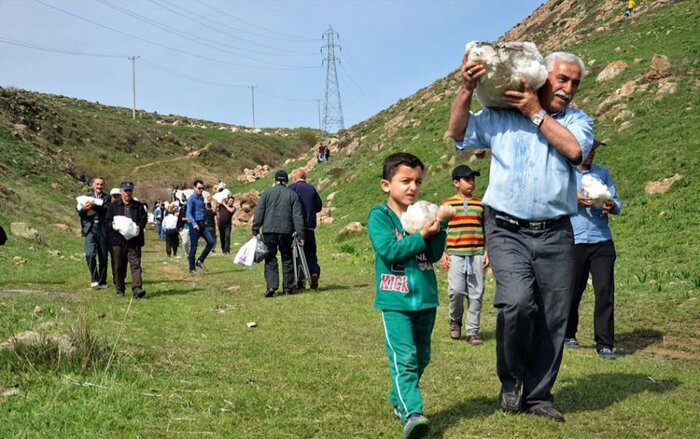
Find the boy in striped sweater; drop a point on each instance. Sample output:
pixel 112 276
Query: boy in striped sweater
pixel 465 257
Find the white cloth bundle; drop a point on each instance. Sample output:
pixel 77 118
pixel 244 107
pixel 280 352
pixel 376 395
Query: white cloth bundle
pixel 84 199
pixel 170 222
pixel 595 190
pixel 221 196
pixel 126 227
pixel 505 64
pixel 417 215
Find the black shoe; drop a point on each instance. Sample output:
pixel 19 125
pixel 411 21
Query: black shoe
pixel 270 293
pixel 547 411
pixel 510 401
pixel 288 292
pixel 139 294
pixel 120 293
pixel 200 265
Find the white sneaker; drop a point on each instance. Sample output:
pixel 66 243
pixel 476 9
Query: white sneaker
pixel 94 284
pixel 102 286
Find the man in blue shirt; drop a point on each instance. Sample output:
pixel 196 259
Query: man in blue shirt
pixel 594 253
pixel 196 217
pixel 535 147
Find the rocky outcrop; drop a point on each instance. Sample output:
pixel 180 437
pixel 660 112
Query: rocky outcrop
pixel 25 231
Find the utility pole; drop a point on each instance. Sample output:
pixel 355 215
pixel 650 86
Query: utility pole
pixel 133 85
pixel 252 92
pixel 332 107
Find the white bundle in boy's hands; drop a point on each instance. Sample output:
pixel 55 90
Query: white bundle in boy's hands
pixel 505 64
pixel 85 199
pixel 125 226
pixel 417 215
pixel 596 191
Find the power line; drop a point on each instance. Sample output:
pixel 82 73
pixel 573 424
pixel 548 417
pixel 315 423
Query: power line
pixel 284 52
pixel 53 49
pixel 163 46
pixel 196 39
pixel 283 36
pixel 163 69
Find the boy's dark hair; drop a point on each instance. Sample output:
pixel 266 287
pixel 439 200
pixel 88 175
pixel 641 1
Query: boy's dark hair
pixel 392 163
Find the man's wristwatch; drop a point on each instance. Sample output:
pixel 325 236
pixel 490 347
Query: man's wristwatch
pixel 538 118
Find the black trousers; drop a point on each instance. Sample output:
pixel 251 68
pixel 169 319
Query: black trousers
pixel 310 251
pixel 533 270
pixel 121 255
pixel 172 241
pixel 225 236
pixel 599 260
pixel 283 242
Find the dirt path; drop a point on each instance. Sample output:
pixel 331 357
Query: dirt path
pixel 189 155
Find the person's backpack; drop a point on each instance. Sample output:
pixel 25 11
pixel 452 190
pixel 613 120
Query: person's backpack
pixel 3 236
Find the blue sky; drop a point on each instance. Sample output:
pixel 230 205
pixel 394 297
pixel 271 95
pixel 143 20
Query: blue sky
pixel 197 58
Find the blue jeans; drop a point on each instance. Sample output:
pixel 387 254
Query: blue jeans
pixel 95 247
pixel 205 233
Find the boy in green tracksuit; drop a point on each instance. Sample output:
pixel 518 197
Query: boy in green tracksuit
pixel 406 286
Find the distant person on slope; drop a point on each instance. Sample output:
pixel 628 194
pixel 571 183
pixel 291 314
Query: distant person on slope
pixel 196 217
pixel 311 204
pixel 594 253
pixel 278 215
pixel 93 227
pixel 630 8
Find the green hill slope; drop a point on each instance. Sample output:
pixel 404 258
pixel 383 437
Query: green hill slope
pixel 651 136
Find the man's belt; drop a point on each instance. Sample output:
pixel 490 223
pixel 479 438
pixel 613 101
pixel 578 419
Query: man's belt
pixel 503 219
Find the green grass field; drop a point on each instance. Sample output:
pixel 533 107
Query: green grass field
pixel 183 362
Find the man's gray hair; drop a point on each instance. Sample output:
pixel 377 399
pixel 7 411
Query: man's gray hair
pixel 566 57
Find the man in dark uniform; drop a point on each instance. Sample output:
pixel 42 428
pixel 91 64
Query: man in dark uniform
pixel 94 230
pixel 278 214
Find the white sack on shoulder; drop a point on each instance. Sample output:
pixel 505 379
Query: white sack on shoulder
pixel 170 222
pixel 595 190
pixel 221 196
pixel 126 227
pixel 417 215
pixel 246 254
pixel 505 64
pixel 84 199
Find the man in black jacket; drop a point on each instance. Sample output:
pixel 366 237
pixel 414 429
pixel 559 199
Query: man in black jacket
pixel 311 204
pixel 127 251
pixel 278 214
pixel 93 227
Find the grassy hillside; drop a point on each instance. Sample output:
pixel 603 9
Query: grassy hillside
pixel 184 362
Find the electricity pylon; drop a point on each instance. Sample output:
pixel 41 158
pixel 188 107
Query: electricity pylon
pixel 332 107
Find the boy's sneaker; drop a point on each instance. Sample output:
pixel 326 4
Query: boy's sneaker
pixel 417 426
pixel 455 329
pixel 606 354
pixel 571 343
pixel 474 339
pixel 200 265
pixel 397 414
pixel 94 284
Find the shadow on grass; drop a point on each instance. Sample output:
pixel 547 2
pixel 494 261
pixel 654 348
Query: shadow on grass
pixel 596 392
pixel 631 342
pixel 480 407
pixel 589 393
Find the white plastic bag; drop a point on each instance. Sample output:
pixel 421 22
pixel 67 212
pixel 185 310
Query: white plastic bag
pixel 126 227
pixel 84 199
pixel 246 254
